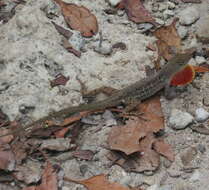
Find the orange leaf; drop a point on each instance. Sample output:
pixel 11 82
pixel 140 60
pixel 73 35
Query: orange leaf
pixel 164 149
pixel 98 182
pixel 49 179
pixel 183 77
pixel 168 39
pixel 126 138
pixel 79 18
pixel 200 69
pixel 74 118
pixel 136 11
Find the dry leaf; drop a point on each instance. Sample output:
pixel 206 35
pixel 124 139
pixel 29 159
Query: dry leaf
pixel 146 160
pixel 75 118
pixel 200 69
pixel 136 11
pixel 49 178
pixel 70 48
pixel 59 80
pixel 98 182
pixel 20 151
pixel 191 1
pixel 164 149
pixel 79 18
pixel 66 33
pixel 7 160
pixel 8 138
pixel 83 154
pixel 61 133
pixel 169 42
pixel 126 138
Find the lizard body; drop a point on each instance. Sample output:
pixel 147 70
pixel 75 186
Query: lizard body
pixel 138 91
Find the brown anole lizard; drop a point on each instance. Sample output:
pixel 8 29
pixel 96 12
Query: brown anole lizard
pixel 138 91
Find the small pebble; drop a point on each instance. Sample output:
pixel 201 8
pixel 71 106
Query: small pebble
pixel 171 5
pixel 196 176
pixel 200 60
pixel 168 13
pixel 113 3
pixel 182 31
pixel 179 119
pixel 104 49
pixel 145 26
pixel 201 148
pixel 162 7
pixel 201 114
pixel 188 16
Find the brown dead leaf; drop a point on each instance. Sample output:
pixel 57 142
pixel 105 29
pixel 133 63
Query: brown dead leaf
pixel 83 154
pixel 126 138
pixel 7 160
pixel 2 4
pixel 20 151
pixel 59 80
pixel 70 48
pixel 147 160
pixel 74 118
pixel 61 133
pixel 136 11
pixel 79 18
pixel 164 149
pixel 8 138
pixel 191 1
pixel 66 33
pixel 99 182
pixel 169 42
pixel 49 178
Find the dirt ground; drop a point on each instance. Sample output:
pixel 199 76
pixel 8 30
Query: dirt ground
pixel 31 55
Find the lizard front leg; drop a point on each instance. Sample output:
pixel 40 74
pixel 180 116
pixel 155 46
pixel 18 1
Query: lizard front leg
pixel 171 92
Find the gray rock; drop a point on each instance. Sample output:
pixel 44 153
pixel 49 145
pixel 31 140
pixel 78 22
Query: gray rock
pixel 202 29
pixel 109 118
pixel 196 176
pixel 188 16
pixel 162 7
pixel 201 114
pixel 113 3
pixel 168 13
pixel 182 31
pixel 105 48
pixel 179 119
pixel 171 5
pixel 77 41
pixel 145 26
pixel 59 144
pixel 200 60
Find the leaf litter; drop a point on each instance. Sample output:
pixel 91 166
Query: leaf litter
pixel 99 182
pixel 136 11
pixel 138 141
pixel 79 18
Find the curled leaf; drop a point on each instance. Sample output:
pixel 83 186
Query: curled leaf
pixel 136 11
pixel 79 18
